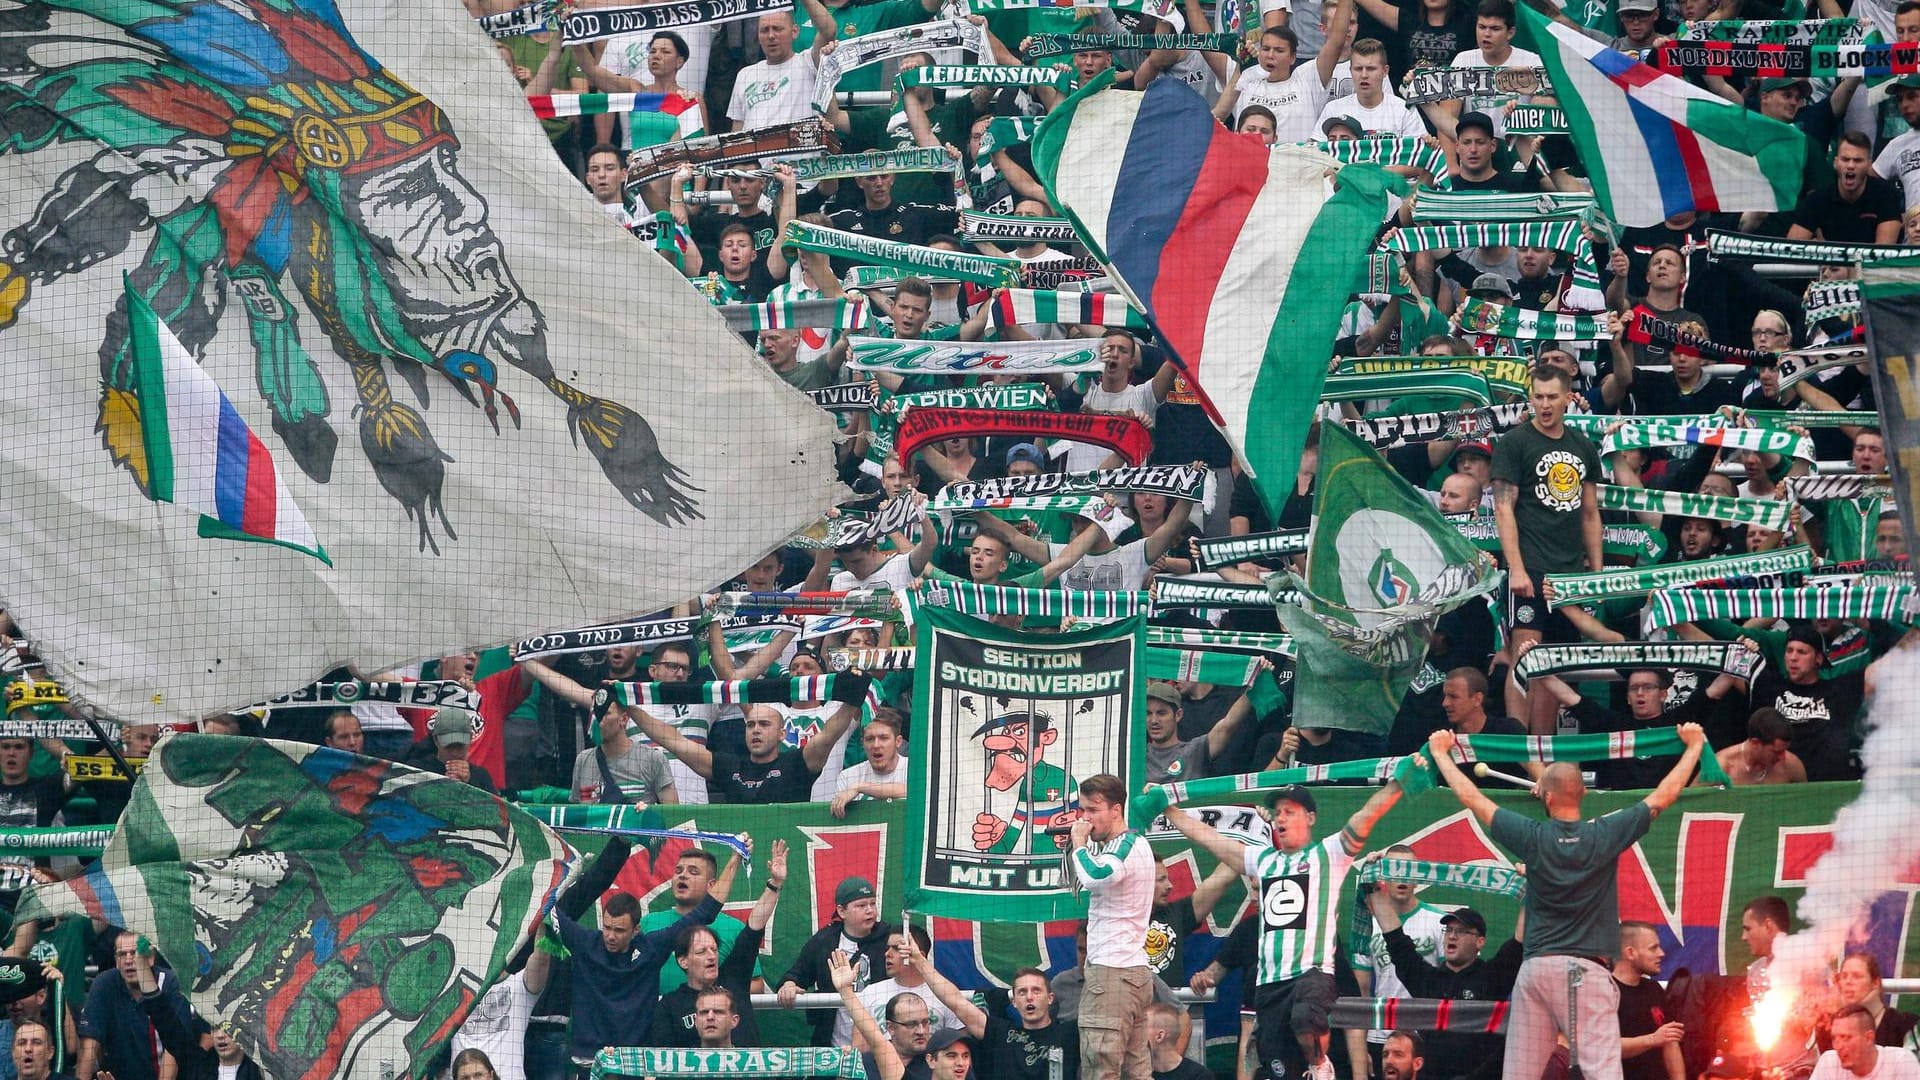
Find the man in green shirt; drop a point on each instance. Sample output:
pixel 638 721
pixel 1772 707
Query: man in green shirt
pixel 694 879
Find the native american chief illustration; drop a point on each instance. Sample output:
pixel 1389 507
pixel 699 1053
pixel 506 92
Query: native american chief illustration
pixel 260 154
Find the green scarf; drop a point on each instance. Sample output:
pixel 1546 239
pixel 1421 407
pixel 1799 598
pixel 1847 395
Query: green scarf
pixel 1477 316
pixel 969 598
pixel 666 1062
pixel 1675 606
pixel 1499 206
pixel 1189 665
pixel 1507 374
pixel 1639 581
pixel 983 75
pixel 1650 433
pixel 980 269
pixel 1766 513
pixel 1188 637
pixel 1460 382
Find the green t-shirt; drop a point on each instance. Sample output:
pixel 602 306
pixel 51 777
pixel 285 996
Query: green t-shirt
pixel 1550 474
pixel 878 129
pixel 809 375
pixel 528 52
pixel 1032 579
pixel 672 975
pixel 1573 902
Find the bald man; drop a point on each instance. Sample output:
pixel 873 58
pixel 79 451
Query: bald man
pixel 1572 907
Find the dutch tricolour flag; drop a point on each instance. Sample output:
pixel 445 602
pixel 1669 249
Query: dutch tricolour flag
pixel 1654 144
pixel 200 453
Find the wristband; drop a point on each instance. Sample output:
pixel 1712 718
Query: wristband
pixel 771 887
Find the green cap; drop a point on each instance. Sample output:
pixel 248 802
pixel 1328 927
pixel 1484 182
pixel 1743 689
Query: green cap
pixel 1768 86
pixel 1905 82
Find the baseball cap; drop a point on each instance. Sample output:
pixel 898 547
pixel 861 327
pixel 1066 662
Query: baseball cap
pixel 1768 86
pixel 451 727
pixel 1905 82
pixel 1474 119
pixel 1347 122
pixel 1296 794
pixel 1466 917
pixel 1638 5
pixel 1491 283
pixel 946 1037
pixel 1806 635
pixel 1026 451
pixel 852 889
pixel 1474 446
pixel 1163 692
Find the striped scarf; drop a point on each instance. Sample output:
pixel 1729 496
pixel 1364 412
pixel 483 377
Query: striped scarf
pixel 858 52
pixel 1651 433
pixel 664 1062
pixel 1190 665
pixel 1814 418
pixel 1416 153
pixel 799 137
pixel 1764 513
pixel 796 314
pixel 885 277
pixel 1416 1014
pixel 1478 316
pixel 978 225
pixel 1457 382
pixel 980 269
pixel 1614 660
pixel 1214 552
pixel 682 107
pixel 871 603
pixel 1781 565
pixel 1855 486
pixel 1043 45
pixel 1016 307
pixel 1675 606
pixel 1605 746
pixel 1189 637
pixel 1732 245
pixel 969 598
pixel 1646 328
pixel 1060 79
pixel 1564 235
pixel 733 691
pixel 1641 543
pixel 1387 432
pixel 1500 206
pixel 1825 300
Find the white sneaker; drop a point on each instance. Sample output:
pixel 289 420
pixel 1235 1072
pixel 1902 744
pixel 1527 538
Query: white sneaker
pixel 1322 1071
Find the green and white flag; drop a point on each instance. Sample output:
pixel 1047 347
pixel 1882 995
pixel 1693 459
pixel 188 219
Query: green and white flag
pixel 339 914
pixel 1382 567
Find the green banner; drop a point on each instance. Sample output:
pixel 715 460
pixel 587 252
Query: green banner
pixel 1006 726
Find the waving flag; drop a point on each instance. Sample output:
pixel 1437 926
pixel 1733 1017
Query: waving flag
pixel 354 227
pixel 1655 145
pixel 1240 256
pixel 339 914
pixel 200 454
pixel 1382 566
pixel 685 110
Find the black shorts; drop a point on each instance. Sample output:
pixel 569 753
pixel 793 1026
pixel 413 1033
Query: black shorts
pixel 1531 613
pixel 1284 1010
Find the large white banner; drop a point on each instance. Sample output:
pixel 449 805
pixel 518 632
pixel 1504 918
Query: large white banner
pixel 500 414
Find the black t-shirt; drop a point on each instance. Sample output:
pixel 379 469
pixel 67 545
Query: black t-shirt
pixel 1835 219
pixel 1820 715
pixel 1501 180
pixel 785 779
pixel 1167 930
pixel 707 226
pixel 1012 1052
pixel 1188 1069
pixel 1534 294
pixel 917 1068
pixel 1550 474
pixel 1642 1011
pixel 1433 45
pixel 1657 393
pixel 909 223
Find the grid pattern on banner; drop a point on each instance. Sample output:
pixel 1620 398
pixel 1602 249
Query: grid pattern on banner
pixel 408 390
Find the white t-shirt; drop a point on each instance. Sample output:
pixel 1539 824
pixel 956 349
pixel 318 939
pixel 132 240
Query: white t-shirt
pixel 1081 457
pixel 1422 925
pixel 768 94
pixel 1900 162
pixel 693 721
pixel 497 1026
pixel 875 998
pixel 1496 105
pixel 1391 117
pixel 1894 1064
pixel 896 574
pixel 1124 568
pixel 855 775
pixel 801 726
pixel 1295 101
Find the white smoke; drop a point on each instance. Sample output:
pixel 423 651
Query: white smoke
pixel 1876 839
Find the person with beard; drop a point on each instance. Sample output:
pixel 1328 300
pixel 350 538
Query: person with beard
pixel 857 931
pixel 681 1017
pixel 1403 1057
pixel 1538 286
pixel 1459 973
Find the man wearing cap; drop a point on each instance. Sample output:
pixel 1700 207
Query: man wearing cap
pixel 1112 865
pixel 1900 159
pixel 1459 973
pixel 1171 758
pixel 1639 26
pixel 857 932
pixel 1299 908
pixel 1342 128
pixel 1572 908
pixel 444 750
pixel 1787 99
pixel 1294 92
pixel 1820 712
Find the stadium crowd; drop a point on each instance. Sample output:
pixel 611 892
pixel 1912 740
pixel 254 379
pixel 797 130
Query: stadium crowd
pixel 612 973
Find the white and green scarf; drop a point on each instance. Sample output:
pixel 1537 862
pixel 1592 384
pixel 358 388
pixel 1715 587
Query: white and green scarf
pixel 980 269
pixel 833 314
pixel 978 225
pixel 1639 581
pixel 1764 513
pixel 1651 433
pixel 1478 316
pixel 1500 206
pixel 1675 606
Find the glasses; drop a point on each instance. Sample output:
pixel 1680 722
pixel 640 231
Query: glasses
pixel 1769 331
pixel 671 665
pixel 911 1025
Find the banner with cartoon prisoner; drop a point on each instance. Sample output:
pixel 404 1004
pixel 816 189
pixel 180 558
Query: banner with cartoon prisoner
pixel 1006 725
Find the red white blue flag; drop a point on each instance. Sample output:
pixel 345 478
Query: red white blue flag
pixel 200 453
